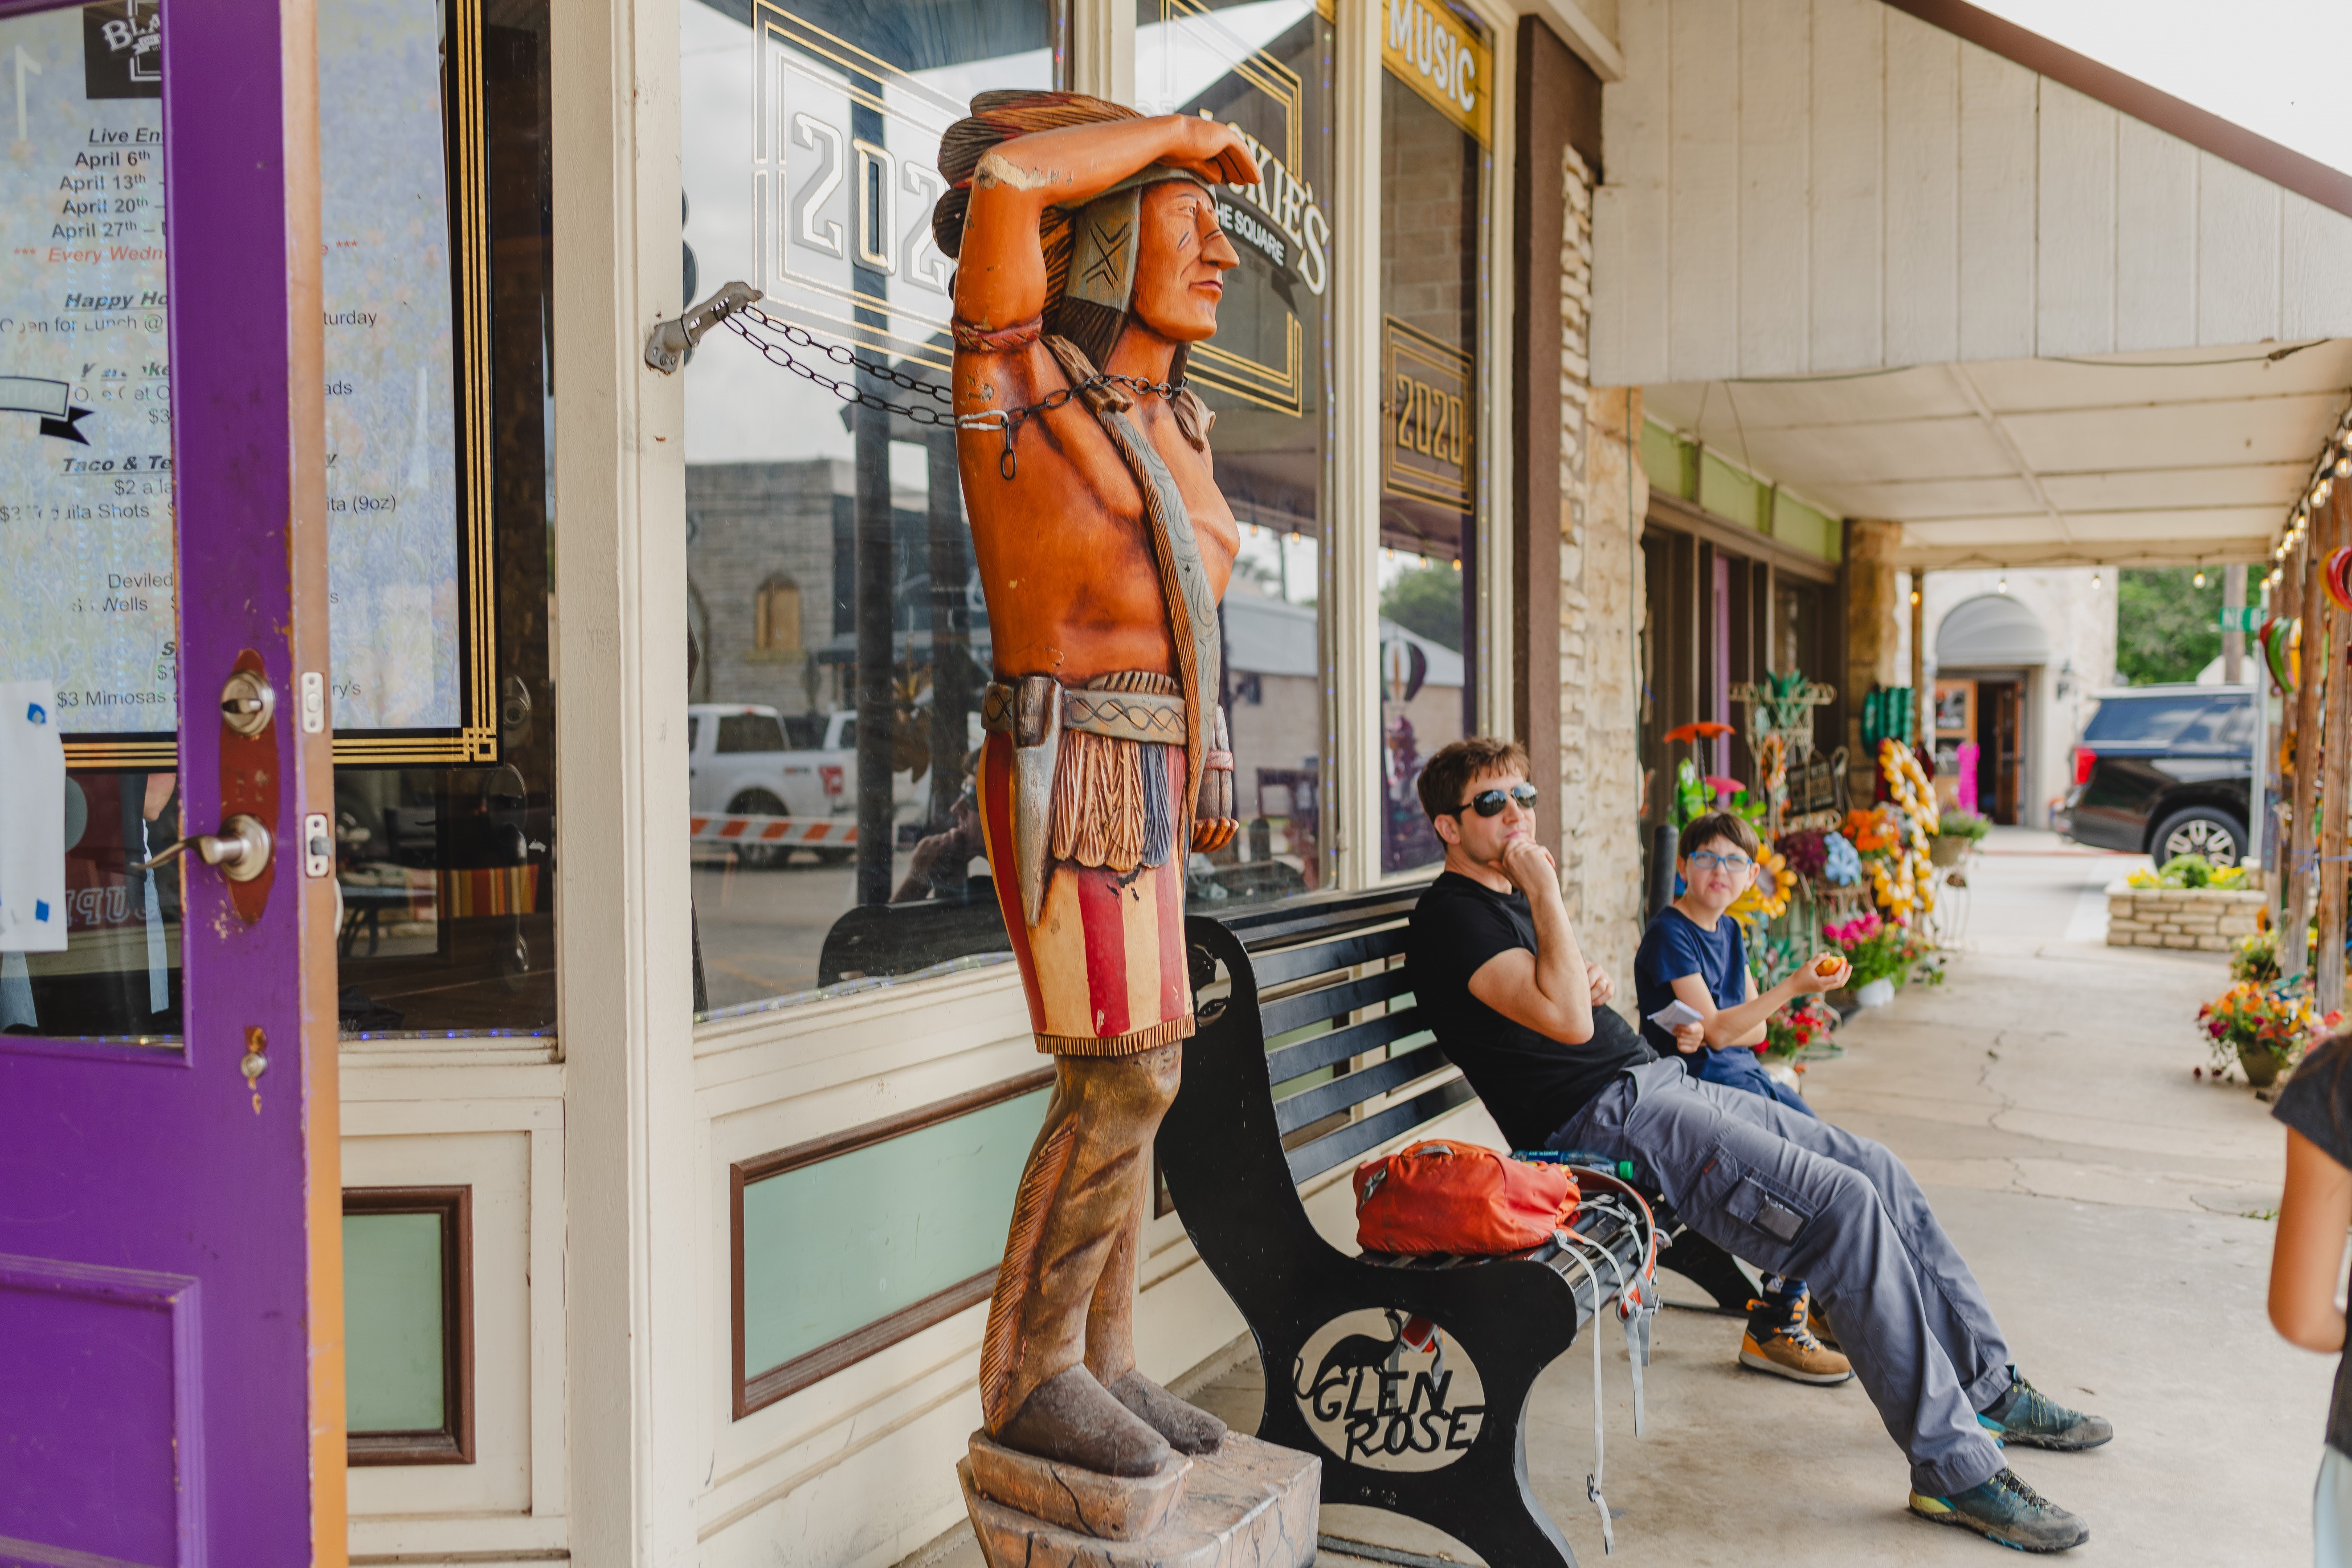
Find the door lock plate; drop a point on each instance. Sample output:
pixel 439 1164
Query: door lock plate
pixel 246 703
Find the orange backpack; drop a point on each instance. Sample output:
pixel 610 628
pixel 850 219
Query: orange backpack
pixel 1458 1198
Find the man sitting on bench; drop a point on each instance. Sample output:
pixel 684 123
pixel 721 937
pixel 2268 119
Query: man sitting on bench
pixel 1495 963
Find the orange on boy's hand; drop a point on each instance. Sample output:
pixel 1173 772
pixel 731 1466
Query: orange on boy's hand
pixel 1827 966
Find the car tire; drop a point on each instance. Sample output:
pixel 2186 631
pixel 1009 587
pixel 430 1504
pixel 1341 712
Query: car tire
pixel 2206 830
pixel 759 857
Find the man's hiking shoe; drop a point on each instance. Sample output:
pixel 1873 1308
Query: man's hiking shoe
pixel 2025 1415
pixel 2006 1510
pixel 1778 1341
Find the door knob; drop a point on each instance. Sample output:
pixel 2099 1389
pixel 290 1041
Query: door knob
pixel 241 849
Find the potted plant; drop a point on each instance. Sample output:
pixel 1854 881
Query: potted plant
pixel 1878 951
pixel 1790 1032
pixel 1957 833
pixel 2263 1028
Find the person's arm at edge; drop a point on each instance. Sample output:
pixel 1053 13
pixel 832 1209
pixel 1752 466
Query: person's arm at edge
pixel 1548 990
pixel 2307 1254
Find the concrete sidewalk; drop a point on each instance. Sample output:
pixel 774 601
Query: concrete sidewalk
pixel 2043 1095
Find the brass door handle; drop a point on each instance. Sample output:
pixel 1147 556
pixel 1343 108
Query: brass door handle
pixel 241 849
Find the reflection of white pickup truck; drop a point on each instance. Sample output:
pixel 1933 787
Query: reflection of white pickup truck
pixel 748 761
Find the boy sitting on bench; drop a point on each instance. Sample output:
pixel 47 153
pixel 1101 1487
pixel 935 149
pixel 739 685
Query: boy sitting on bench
pixel 1495 963
pixel 1694 954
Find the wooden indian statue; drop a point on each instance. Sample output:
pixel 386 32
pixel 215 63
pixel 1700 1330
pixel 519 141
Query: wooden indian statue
pixel 1088 261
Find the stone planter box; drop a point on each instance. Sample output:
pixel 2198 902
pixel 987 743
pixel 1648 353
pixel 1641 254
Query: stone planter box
pixel 2206 920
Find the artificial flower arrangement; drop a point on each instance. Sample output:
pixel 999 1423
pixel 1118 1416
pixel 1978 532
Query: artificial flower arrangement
pixel 1878 949
pixel 1805 1022
pixel 1807 851
pixel 1841 861
pixel 1870 832
pixel 1903 877
pixel 1767 898
pixel 2264 1027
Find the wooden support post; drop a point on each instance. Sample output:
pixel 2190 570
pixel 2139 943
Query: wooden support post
pixel 1920 735
pixel 2306 760
pixel 2336 730
pixel 2282 864
pixel 2233 640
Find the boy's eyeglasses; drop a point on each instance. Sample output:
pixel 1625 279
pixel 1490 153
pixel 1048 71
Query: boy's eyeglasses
pixel 1490 802
pixel 1708 860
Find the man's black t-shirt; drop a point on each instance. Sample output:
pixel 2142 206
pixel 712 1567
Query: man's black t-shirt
pixel 1531 1084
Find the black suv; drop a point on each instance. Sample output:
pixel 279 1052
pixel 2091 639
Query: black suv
pixel 2163 770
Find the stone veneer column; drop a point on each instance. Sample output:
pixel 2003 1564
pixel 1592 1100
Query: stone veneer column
pixel 1604 495
pixel 1873 617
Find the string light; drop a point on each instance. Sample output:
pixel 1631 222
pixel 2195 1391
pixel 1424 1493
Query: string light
pixel 2199 580
pixel 2094 579
pixel 1915 596
pixel 2003 584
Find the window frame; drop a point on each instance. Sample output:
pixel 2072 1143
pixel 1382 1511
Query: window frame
pixel 754 1391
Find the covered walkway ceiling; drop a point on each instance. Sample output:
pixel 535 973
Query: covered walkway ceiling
pixel 2117 459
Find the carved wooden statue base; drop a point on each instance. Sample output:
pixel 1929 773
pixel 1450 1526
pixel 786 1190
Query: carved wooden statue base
pixel 1248 1503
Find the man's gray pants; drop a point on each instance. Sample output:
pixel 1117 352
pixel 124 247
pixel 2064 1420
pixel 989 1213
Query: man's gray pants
pixel 1797 1196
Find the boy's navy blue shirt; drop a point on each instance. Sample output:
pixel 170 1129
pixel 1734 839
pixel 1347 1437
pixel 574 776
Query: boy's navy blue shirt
pixel 1674 946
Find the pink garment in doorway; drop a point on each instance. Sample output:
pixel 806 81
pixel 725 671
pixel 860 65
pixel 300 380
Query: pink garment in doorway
pixel 1964 788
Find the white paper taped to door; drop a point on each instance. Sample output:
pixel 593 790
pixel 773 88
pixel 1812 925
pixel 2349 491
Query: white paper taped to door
pixel 32 819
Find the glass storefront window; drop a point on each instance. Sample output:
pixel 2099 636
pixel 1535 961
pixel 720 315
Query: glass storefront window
pixel 1436 124
pixel 1265 66
pixel 841 643
pixel 448 872
pixel 436 409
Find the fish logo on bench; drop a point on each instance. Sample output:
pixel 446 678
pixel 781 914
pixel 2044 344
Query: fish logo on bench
pixel 1389 1393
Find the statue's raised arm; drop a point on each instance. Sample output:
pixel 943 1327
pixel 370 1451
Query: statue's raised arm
pixel 1001 273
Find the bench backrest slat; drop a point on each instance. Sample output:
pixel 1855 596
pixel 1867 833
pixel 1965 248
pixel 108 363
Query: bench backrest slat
pixel 1304 1007
pixel 1328 1050
pixel 1312 1105
pixel 1341 1147
pixel 1321 914
pixel 1286 965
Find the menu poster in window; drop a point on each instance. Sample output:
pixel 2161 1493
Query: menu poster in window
pixel 86 546
pixel 392 474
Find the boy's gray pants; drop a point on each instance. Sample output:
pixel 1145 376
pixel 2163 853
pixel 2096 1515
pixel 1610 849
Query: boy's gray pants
pixel 1796 1195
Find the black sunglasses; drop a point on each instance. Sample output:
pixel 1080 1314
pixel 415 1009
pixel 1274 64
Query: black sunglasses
pixel 1490 802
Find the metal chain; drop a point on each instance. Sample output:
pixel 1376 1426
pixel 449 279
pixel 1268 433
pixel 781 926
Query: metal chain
pixel 1008 420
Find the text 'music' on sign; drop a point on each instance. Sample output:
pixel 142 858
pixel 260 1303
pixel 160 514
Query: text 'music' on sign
pixel 1438 55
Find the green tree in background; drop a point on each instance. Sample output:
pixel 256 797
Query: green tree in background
pixel 1427 602
pixel 2167 628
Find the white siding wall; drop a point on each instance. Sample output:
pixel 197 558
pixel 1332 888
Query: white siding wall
pixel 1799 186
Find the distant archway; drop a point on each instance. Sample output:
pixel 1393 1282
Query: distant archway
pixel 1991 630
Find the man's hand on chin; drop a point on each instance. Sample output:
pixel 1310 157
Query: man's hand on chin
pixel 1528 865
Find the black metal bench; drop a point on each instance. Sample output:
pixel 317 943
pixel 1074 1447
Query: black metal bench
pixel 1310 1054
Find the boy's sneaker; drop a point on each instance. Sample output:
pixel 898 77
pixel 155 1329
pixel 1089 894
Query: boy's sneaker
pixel 2024 1414
pixel 1778 1341
pixel 2006 1510
pixel 1820 1325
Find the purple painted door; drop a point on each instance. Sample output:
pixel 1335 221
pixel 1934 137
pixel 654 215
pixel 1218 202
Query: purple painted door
pixel 171 1361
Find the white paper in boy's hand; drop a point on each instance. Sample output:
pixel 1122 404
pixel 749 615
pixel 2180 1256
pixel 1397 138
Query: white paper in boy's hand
pixel 1677 1014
